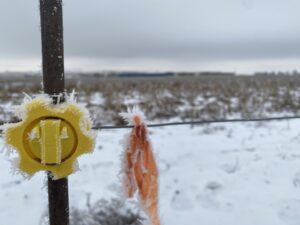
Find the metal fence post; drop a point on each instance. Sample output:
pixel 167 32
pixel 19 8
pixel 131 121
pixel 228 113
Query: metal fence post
pixel 53 80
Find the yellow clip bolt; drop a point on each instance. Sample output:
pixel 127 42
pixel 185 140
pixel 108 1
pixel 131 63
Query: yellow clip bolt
pixel 50 137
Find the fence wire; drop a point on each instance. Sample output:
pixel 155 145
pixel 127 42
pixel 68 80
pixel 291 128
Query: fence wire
pixel 192 122
pixel 199 122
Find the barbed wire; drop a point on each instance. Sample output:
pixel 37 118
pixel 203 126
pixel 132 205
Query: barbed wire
pixel 199 122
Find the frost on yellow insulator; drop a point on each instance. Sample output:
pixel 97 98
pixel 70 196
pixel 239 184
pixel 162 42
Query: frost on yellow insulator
pixel 50 137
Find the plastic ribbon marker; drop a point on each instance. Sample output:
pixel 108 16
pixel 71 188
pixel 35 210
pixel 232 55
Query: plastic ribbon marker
pixel 140 173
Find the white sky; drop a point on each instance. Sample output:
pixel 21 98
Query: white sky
pixel 229 35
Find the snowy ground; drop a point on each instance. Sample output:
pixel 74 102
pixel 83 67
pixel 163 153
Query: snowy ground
pixel 225 174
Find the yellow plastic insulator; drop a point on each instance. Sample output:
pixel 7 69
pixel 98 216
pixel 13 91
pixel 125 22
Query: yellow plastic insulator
pixel 50 137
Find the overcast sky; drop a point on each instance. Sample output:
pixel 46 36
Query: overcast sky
pixel 229 35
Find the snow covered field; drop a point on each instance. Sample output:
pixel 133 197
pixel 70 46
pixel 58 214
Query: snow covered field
pixel 225 174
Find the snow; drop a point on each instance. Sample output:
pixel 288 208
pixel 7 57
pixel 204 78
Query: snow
pixel 235 174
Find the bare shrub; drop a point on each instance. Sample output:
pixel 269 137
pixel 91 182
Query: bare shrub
pixel 103 212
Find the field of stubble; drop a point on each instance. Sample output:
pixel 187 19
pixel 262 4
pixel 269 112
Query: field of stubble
pixel 178 98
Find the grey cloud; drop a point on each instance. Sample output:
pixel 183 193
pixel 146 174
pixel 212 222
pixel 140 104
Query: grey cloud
pixel 156 29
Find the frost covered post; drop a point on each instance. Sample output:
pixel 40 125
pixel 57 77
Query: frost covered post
pixel 53 81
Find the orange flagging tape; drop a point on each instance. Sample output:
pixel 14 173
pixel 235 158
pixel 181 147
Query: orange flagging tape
pixel 141 173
